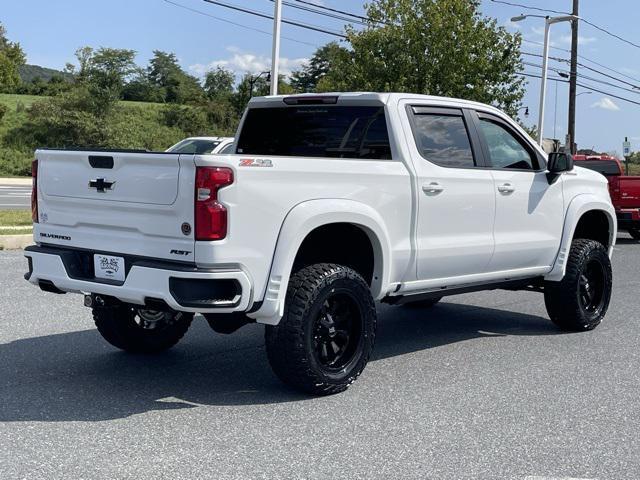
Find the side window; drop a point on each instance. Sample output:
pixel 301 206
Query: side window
pixel 227 149
pixel 443 139
pixel 505 150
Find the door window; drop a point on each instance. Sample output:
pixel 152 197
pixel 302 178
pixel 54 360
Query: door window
pixel 505 150
pixel 443 139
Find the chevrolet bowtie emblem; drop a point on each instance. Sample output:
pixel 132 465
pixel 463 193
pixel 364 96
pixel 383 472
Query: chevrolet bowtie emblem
pixel 101 184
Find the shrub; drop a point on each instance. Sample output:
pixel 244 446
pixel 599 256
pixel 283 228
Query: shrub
pixel 191 120
pixel 3 111
pixel 15 162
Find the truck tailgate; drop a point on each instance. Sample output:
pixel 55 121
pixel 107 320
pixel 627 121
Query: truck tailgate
pixel 123 202
pixel 629 192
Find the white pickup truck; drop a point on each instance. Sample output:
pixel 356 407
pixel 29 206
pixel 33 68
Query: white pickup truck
pixel 330 203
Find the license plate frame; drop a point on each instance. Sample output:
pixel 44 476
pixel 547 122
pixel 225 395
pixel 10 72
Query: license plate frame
pixel 109 267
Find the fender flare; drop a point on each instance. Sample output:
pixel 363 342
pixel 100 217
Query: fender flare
pixel 302 220
pixel 578 206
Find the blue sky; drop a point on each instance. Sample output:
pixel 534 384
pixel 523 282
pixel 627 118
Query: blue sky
pixel 50 32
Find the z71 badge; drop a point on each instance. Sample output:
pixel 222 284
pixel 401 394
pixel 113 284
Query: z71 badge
pixel 260 162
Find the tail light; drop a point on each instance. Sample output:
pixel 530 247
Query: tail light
pixel 211 215
pixel 34 191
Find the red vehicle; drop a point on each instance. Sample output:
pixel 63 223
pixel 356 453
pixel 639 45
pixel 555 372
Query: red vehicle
pixel 624 190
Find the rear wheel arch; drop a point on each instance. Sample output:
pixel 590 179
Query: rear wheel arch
pixel 342 243
pixel 321 216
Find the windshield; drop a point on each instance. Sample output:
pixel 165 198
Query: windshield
pixel 316 131
pixel 197 146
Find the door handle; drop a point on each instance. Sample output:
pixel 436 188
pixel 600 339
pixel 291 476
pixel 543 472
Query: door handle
pixel 506 188
pixel 432 188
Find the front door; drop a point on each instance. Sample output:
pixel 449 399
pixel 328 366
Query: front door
pixel 529 210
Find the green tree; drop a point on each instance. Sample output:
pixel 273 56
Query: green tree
pixel 218 83
pixel 435 47
pixel 307 78
pixel 11 58
pixel 108 71
pixel 261 87
pixel 141 89
pixel 176 85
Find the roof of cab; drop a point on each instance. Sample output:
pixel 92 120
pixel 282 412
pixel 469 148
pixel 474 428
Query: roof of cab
pixel 385 98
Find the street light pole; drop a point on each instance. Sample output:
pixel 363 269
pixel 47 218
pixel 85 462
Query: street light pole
pixel 548 21
pixel 543 82
pixel 275 55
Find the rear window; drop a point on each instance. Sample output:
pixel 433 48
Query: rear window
pixel 199 147
pixel 316 131
pixel 604 167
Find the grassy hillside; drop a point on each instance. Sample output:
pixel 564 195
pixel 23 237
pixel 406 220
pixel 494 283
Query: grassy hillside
pixel 28 73
pixel 14 162
pixel 132 125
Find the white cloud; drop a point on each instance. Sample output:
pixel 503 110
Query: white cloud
pixel 241 62
pixel 606 104
pixel 509 24
pixel 566 39
pixel 537 34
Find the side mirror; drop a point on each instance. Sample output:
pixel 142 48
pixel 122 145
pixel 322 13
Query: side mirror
pixel 558 163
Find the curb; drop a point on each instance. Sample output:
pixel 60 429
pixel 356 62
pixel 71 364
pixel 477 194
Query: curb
pixel 15 242
pixel 25 181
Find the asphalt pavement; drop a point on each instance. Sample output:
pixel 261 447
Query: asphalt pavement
pixel 14 196
pixel 482 386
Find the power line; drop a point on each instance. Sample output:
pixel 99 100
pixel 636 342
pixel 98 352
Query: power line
pixel 587 59
pixel 336 16
pixel 586 77
pixel 608 68
pixel 611 34
pixel 528 7
pixel 636 87
pixel 236 24
pixel 582 85
pixel 598 27
pixel 270 17
pixel 335 10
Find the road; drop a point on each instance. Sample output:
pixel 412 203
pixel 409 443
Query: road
pixel 482 386
pixel 15 196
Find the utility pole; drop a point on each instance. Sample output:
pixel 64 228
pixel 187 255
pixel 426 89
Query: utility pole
pixel 571 131
pixel 275 56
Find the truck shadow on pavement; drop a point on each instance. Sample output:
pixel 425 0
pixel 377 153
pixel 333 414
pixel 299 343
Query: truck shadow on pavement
pixel 76 376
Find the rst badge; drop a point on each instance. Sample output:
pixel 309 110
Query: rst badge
pixel 255 162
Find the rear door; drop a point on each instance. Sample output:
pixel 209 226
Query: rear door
pixel 456 201
pixel 123 202
pixel 529 211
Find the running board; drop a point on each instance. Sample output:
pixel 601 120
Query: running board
pixel 533 284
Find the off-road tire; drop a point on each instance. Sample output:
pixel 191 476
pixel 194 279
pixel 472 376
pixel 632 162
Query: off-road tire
pixel 290 345
pixel 423 303
pixel 635 233
pixel 117 325
pixel 563 299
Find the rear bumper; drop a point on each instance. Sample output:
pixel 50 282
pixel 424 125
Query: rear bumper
pixel 182 287
pixel 628 218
